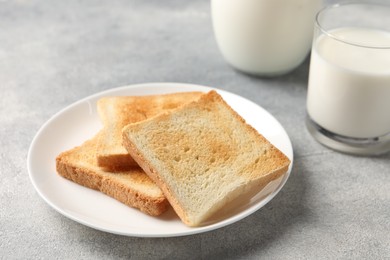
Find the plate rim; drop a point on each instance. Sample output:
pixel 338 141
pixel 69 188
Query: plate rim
pixel 181 87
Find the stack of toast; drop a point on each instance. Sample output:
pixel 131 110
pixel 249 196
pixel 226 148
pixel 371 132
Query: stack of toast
pixel 190 150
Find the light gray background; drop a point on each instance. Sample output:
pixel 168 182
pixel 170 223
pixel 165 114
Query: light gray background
pixel 53 53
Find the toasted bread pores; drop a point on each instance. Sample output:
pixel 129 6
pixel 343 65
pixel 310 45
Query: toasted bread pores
pixel 116 112
pixel 203 155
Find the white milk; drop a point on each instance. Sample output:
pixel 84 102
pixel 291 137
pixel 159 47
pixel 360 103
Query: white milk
pixel 264 37
pixel 349 86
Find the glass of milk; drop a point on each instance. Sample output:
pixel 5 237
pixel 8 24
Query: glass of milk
pixel 348 101
pixel 264 37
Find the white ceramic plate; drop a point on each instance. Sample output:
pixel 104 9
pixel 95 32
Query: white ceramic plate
pixel 79 122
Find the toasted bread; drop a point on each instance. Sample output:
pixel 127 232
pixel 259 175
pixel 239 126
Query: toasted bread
pixel 132 187
pixel 116 112
pixel 203 155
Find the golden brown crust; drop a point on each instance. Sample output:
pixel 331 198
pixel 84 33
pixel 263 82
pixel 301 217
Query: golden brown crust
pixel 116 162
pixel 79 166
pixel 83 177
pixel 153 206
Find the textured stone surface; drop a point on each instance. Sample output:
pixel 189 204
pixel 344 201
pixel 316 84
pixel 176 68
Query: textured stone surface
pixel 53 53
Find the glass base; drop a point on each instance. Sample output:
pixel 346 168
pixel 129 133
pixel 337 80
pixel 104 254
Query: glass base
pixel 357 146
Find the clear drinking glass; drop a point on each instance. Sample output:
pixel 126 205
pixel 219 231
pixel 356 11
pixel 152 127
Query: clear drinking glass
pixel 348 101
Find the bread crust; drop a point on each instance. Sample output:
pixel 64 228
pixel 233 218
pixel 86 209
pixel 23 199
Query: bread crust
pixel 116 162
pixel 76 165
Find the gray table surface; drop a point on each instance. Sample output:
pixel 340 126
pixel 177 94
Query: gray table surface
pixel 53 53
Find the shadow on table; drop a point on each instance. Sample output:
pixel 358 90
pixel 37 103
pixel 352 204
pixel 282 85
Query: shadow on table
pixel 265 227
pixel 298 75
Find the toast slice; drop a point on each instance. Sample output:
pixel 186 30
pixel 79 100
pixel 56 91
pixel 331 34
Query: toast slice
pixel 203 155
pixel 116 112
pixel 132 187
